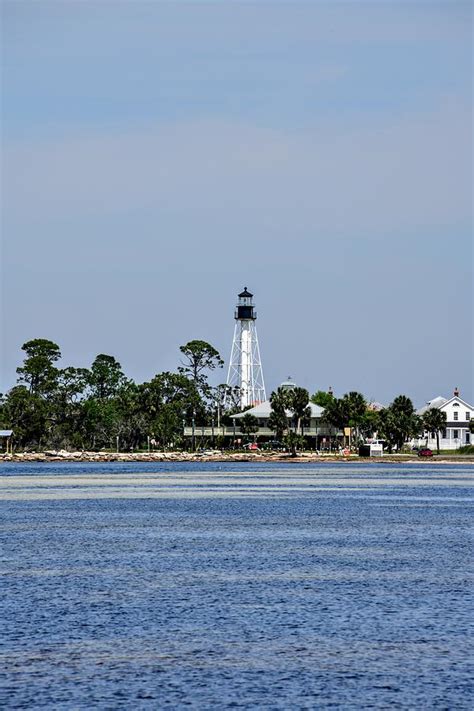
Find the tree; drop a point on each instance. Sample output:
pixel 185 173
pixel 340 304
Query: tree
pixel 131 421
pixel 356 408
pixel 105 377
pixel 278 420
pixel 278 423
pixel 298 402
pixel 322 398
pixel 100 422
pixel 227 398
pixel 369 424
pixel 285 404
pixel 398 422
pixel 65 407
pixel 167 424
pixel 168 400
pixel 335 413
pixel 199 356
pixel 38 371
pixel 292 441
pixel 248 424
pixel 27 414
pixel 434 420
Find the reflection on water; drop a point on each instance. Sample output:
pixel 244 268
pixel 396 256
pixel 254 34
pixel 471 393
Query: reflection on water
pixel 249 586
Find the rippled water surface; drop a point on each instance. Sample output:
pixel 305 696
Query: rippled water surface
pixel 254 586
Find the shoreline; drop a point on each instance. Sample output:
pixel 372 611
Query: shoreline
pixel 251 457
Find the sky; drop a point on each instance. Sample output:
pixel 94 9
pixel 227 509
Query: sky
pixel 157 157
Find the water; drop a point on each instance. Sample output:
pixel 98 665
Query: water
pixel 241 585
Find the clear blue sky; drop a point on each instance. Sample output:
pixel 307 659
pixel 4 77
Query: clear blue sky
pixel 158 156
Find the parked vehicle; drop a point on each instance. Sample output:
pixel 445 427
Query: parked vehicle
pixel 253 446
pixel 425 452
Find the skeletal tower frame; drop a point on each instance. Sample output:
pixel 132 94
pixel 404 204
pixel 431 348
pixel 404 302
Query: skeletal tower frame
pixel 245 365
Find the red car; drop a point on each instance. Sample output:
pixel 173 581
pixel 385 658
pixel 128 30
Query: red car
pixel 425 453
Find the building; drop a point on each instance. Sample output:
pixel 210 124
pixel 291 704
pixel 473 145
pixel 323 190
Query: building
pixel 459 414
pixel 318 433
pixel 5 441
pixel 245 364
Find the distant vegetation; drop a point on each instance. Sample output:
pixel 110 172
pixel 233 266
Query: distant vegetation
pixel 100 407
pixel 89 408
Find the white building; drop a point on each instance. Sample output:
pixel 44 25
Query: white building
pixel 314 428
pixel 459 414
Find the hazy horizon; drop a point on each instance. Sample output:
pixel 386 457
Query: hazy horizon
pixel 158 157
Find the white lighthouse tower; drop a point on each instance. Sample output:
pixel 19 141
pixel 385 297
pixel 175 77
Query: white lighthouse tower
pixel 245 366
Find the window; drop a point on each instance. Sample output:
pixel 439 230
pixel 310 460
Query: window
pixel 443 434
pixel 468 416
pixel 456 415
pixel 455 434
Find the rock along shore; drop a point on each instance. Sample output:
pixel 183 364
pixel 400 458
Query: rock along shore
pixel 63 455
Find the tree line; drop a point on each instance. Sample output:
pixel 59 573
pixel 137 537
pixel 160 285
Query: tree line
pixel 100 407
pixel 89 408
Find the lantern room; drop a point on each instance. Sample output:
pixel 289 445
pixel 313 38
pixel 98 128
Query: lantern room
pixel 245 308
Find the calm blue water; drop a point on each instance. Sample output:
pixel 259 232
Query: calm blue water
pixel 244 585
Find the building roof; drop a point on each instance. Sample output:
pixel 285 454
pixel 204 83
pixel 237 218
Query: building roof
pixel 436 402
pixel 264 410
pixel 376 406
pixel 245 294
pixel 6 433
pixel 439 402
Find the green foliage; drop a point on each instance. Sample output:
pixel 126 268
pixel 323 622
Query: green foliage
pixel 38 371
pixel 105 377
pixel 167 401
pixel 91 408
pixel 293 442
pixel 321 398
pixel 398 422
pixel 348 411
pixel 289 406
pixel 298 401
pixel 278 420
pixel 248 424
pixel 434 420
pixel 27 414
pixel 199 356
pixel 369 423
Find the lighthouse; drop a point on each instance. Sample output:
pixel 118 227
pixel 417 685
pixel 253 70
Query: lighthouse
pixel 245 366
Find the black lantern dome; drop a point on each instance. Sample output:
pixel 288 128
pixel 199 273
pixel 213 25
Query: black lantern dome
pixel 245 308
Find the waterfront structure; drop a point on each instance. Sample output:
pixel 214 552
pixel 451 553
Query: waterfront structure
pixel 459 414
pixel 6 435
pixel 245 366
pixel 319 433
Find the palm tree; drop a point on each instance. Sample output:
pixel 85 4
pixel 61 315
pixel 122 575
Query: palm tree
pixel 248 424
pixel 434 420
pixel 278 421
pixel 299 405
